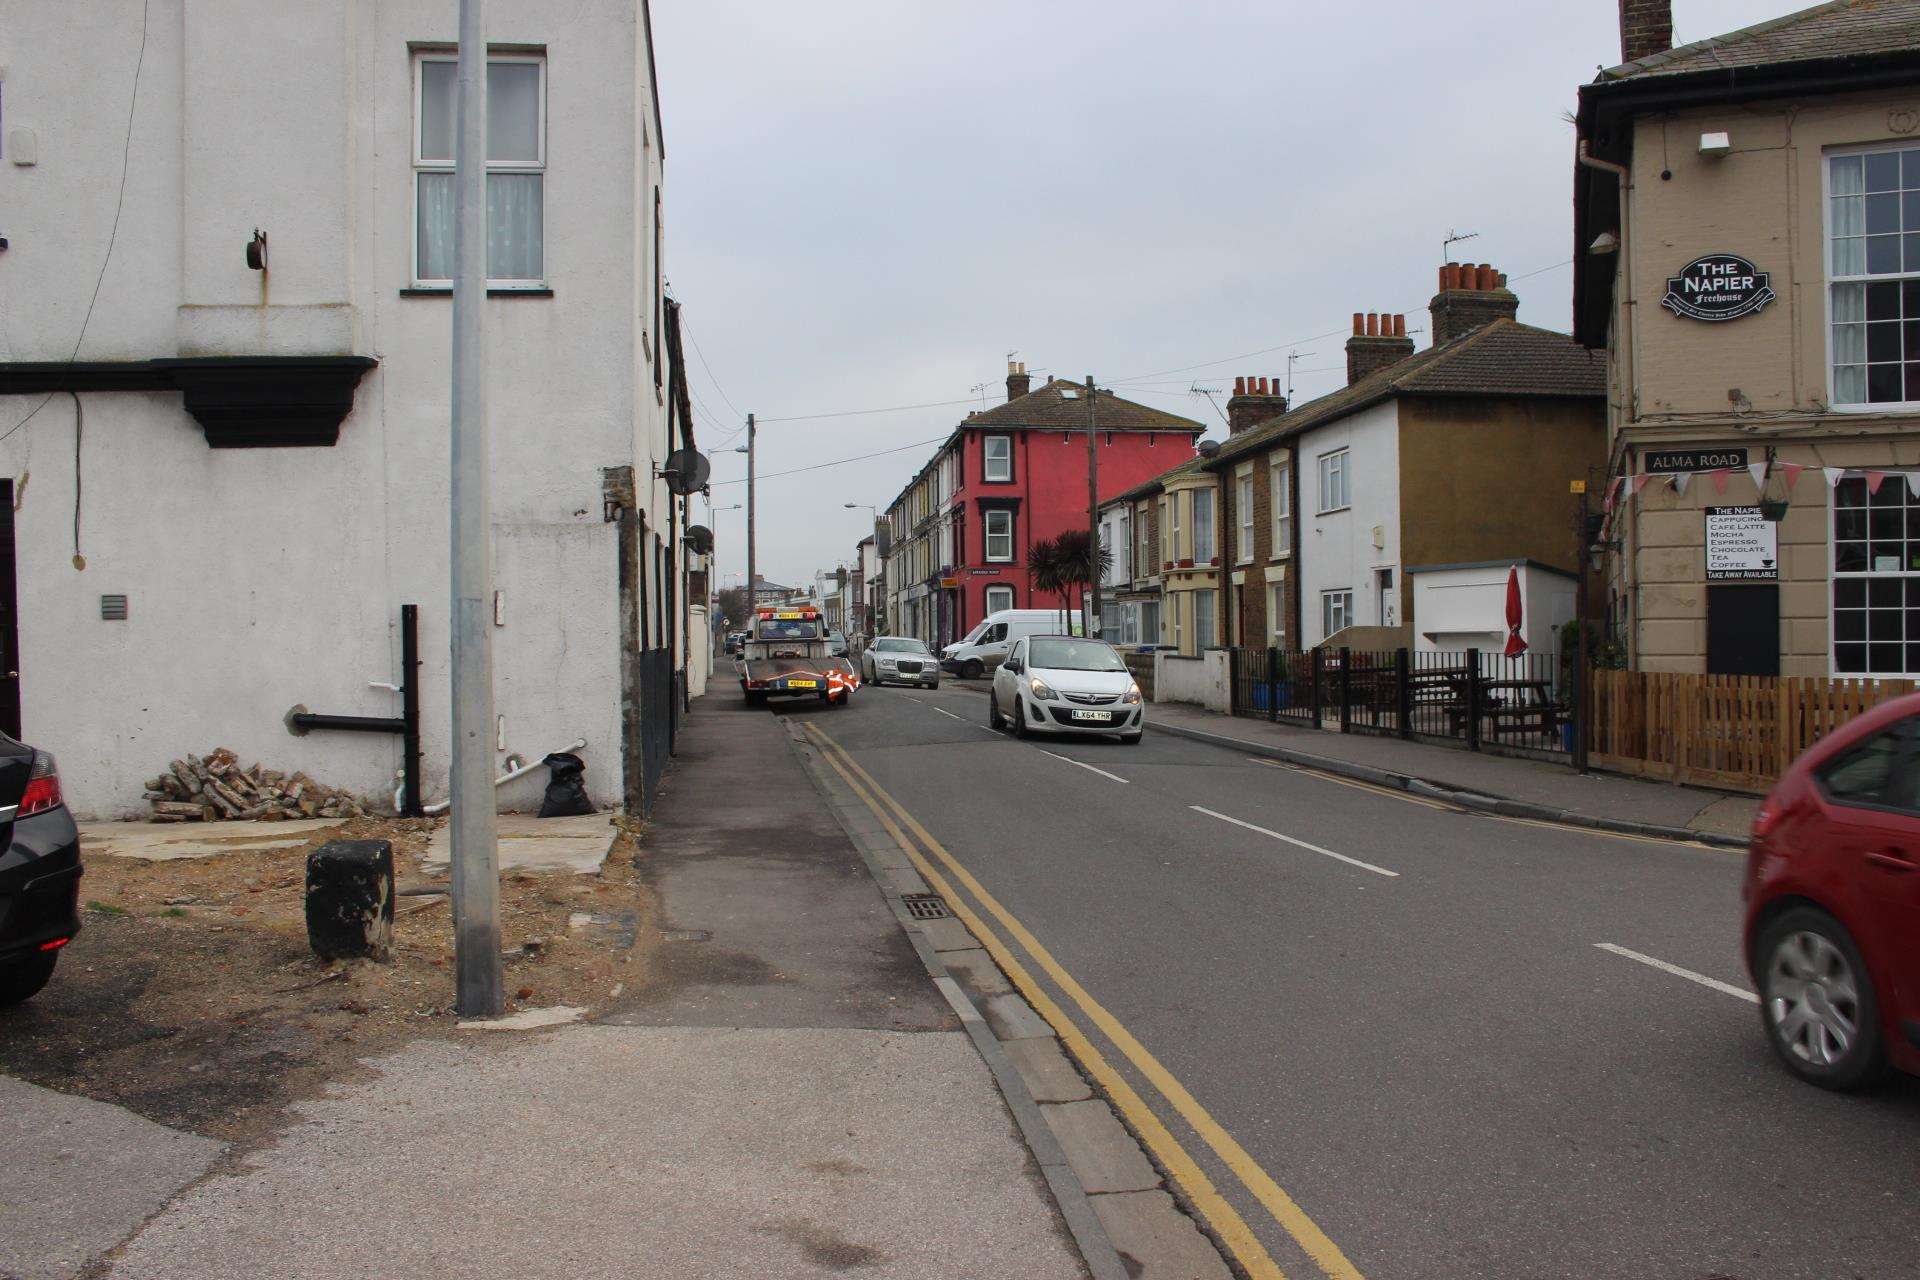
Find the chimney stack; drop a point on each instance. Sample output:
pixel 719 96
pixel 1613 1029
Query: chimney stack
pixel 1017 380
pixel 1646 27
pixel 1378 340
pixel 1471 295
pixel 1255 400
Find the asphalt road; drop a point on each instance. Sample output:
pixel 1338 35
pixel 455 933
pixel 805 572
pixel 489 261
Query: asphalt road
pixel 1405 1016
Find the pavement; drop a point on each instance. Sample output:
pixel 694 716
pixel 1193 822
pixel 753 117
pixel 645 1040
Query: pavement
pixel 1517 786
pixel 577 843
pixel 163 842
pixel 1386 1035
pixel 790 1092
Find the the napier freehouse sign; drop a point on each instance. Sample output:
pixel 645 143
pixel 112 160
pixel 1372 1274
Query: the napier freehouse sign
pixel 1720 286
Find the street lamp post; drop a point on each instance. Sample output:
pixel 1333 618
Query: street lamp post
pixel 879 578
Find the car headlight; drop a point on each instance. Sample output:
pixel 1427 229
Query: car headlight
pixel 1039 688
pixel 1132 694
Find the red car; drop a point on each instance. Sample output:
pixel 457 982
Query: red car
pixel 1833 902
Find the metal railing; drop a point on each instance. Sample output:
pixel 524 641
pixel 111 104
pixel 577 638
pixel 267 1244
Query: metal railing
pixel 1473 697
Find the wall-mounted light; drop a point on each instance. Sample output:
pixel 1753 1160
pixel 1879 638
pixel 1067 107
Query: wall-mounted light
pixel 1716 144
pixel 1605 242
pixel 257 251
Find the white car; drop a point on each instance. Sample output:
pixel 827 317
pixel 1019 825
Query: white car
pixel 1065 684
pixel 900 659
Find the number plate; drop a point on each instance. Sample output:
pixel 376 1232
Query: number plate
pixel 803 684
pixel 1105 717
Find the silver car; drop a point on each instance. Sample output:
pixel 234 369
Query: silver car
pixel 900 660
pixel 1066 684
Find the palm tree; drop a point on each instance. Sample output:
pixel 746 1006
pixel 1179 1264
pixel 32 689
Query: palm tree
pixel 1082 562
pixel 1046 569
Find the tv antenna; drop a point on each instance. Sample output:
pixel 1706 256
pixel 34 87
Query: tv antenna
pixel 1453 238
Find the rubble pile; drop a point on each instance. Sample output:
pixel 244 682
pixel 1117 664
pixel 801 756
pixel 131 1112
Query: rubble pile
pixel 216 788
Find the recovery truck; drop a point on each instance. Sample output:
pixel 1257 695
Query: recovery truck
pixel 785 656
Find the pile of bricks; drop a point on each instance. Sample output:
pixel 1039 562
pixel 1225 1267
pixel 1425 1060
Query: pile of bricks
pixel 217 788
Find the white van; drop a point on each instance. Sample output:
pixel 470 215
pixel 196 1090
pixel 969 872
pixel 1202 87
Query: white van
pixel 985 647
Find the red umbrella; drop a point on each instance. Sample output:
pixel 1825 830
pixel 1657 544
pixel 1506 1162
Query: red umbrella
pixel 1515 645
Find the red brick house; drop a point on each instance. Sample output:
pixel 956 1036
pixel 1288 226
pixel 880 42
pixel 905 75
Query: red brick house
pixel 1013 475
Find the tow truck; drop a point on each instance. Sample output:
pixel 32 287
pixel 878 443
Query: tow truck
pixel 785 656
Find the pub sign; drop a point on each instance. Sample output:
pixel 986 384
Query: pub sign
pixel 1719 286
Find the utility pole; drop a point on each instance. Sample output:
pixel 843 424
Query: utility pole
pixel 476 856
pixel 753 593
pixel 1581 678
pixel 1093 513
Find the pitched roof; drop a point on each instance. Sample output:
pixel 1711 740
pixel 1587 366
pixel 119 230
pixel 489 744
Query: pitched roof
pixel 1843 28
pixel 1062 406
pixel 1504 358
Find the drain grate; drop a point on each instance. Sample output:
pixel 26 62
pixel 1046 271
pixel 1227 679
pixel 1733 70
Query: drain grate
pixel 926 906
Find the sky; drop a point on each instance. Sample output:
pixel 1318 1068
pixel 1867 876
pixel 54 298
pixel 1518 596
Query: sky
pixel 870 203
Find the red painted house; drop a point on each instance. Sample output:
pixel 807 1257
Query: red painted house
pixel 1008 477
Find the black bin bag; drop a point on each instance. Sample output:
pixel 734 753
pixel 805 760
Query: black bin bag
pixel 566 786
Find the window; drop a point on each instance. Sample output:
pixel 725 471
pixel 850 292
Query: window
pixel 1277 614
pixel 1876 578
pixel 1110 627
pixel 999 526
pixel 1122 544
pixel 1243 501
pixel 1150 622
pixel 1280 478
pixel 1169 529
pixel 998 452
pixel 1130 622
pixel 1336 611
pixel 999 598
pixel 1203 550
pixel 1173 613
pixel 1145 566
pixel 1336 487
pixel 1874 772
pixel 516 169
pixel 1873 228
pixel 1204 606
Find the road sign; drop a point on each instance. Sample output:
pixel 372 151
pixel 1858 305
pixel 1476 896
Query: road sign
pixel 1742 545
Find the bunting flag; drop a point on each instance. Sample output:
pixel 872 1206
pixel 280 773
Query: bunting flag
pixel 1680 480
pixel 1720 475
pixel 1613 491
pixel 1833 476
pixel 1792 470
pixel 1913 483
pixel 1640 482
pixel 1874 480
pixel 1758 470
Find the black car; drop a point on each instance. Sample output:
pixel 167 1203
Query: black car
pixel 39 871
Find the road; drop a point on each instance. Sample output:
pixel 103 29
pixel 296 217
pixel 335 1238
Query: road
pixel 1400 1040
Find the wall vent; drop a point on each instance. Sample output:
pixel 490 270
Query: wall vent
pixel 113 608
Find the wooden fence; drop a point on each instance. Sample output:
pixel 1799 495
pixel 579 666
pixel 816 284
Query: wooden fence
pixel 1734 732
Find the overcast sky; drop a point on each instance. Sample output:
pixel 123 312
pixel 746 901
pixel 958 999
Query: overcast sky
pixel 870 203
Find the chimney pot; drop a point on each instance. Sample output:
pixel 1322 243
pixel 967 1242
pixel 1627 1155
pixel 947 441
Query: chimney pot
pixel 1487 274
pixel 1373 324
pixel 1399 326
pixel 1480 299
pixel 1356 324
pixel 1018 383
pixel 1240 386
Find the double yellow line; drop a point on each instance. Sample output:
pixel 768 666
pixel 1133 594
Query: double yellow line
pixel 1199 1188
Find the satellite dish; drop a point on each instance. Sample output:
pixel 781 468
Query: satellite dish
pixel 686 471
pixel 700 538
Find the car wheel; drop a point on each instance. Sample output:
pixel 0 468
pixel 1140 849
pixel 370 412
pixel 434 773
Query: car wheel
pixel 995 721
pixel 1817 1002
pixel 23 979
pixel 973 669
pixel 1019 717
pixel 1133 739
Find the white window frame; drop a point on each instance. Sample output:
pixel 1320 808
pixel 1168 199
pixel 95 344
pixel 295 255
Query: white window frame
pixel 1123 545
pixel 1280 504
pixel 1338 600
pixel 1243 498
pixel 1276 615
pixel 1334 468
pixel 1000 591
pixel 422 165
pixel 1176 611
pixel 1205 632
pixel 1150 615
pixel 987 459
pixel 1212 545
pixel 1867 576
pixel 987 520
pixel 1834 280
pixel 1148 565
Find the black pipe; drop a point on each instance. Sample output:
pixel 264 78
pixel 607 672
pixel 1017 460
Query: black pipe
pixel 407 724
pixel 411 798
pixel 306 720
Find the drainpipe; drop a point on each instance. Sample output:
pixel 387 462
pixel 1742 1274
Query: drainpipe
pixel 1629 384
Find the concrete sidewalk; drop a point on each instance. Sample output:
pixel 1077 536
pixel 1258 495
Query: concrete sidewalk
pixel 1527 788
pixel 787 1094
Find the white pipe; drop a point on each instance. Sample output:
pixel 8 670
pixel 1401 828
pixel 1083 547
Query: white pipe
pixel 514 771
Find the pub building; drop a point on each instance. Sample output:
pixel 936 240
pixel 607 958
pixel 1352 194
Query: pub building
pixel 1747 251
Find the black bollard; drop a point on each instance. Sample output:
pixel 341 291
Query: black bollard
pixel 350 900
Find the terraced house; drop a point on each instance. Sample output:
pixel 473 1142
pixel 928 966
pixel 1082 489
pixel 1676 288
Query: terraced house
pixel 1457 455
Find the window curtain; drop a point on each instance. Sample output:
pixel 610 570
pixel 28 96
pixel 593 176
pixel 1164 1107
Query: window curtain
pixel 515 215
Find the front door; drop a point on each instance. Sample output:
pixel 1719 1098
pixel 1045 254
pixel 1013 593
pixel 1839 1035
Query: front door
pixel 1743 629
pixel 9 621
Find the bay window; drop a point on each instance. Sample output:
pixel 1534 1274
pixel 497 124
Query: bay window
pixel 516 148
